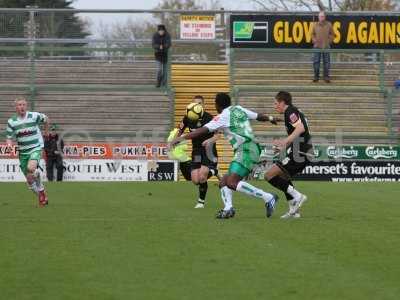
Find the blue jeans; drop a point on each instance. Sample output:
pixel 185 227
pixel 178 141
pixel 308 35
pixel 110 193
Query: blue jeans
pixel 162 73
pixel 326 59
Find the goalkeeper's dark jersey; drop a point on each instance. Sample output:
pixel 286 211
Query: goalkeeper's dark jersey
pixel 186 123
pixel 303 142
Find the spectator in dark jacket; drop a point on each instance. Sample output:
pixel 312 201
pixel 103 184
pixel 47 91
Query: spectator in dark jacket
pixel 54 146
pixel 161 43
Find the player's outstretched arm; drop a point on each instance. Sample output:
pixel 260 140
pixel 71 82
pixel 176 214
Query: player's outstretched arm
pixel 211 140
pixel 252 115
pixel 266 118
pixel 191 135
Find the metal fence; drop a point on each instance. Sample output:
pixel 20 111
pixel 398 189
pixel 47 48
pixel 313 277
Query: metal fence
pixel 37 35
pixel 109 28
pixel 393 108
pixel 125 28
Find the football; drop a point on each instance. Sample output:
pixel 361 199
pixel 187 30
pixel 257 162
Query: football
pixel 194 111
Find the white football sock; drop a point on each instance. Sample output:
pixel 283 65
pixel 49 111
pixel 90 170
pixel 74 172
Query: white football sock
pixel 226 195
pixel 38 180
pixel 292 192
pixel 33 188
pixel 248 189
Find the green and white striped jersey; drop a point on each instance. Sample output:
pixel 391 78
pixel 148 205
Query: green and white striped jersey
pixel 26 131
pixel 234 121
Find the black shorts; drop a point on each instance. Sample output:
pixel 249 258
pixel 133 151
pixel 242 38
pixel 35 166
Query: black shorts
pixel 292 167
pixel 200 158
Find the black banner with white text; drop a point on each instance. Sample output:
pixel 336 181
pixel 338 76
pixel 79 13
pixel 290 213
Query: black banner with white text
pixel 295 31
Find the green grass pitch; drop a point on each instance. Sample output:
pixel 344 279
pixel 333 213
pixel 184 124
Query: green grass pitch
pixel 146 241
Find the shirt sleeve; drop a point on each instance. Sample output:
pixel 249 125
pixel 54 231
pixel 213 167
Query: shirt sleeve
pixel 40 118
pixel 9 131
pixel 250 114
pixel 294 117
pixel 219 122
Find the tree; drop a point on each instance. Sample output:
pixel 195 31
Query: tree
pixel 55 25
pixel 332 5
pixel 288 5
pixel 172 21
pixel 47 25
pixel 367 5
pixel 134 29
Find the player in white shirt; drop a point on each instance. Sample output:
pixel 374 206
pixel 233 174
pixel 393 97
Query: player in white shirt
pixel 234 122
pixel 24 128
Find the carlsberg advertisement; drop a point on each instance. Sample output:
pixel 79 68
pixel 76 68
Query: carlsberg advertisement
pixel 358 152
pixel 350 163
pixel 354 164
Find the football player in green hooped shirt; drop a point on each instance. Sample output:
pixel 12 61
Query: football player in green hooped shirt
pixel 234 121
pixel 24 128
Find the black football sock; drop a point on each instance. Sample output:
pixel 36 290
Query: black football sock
pixel 212 172
pixel 279 183
pixel 203 187
pixel 288 196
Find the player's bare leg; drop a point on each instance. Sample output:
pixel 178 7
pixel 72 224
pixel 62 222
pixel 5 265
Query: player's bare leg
pixel 35 183
pixel 279 179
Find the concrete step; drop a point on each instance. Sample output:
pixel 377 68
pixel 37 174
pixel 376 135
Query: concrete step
pixel 99 94
pixel 315 97
pixel 296 71
pixel 304 65
pixel 98 81
pixel 105 108
pixel 158 112
pixel 81 69
pixel 178 79
pixel 305 81
pixel 112 102
pixel 104 101
pixel 197 73
pixel 311 105
pixel 114 121
pixel 318 90
pixel 332 130
pixel 308 76
pixel 98 127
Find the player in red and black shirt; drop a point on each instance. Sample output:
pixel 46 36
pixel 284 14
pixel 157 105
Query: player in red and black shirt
pixel 299 150
pixel 204 153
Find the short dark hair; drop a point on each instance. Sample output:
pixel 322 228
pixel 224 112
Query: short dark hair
pixel 199 97
pixel 283 96
pixel 223 100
